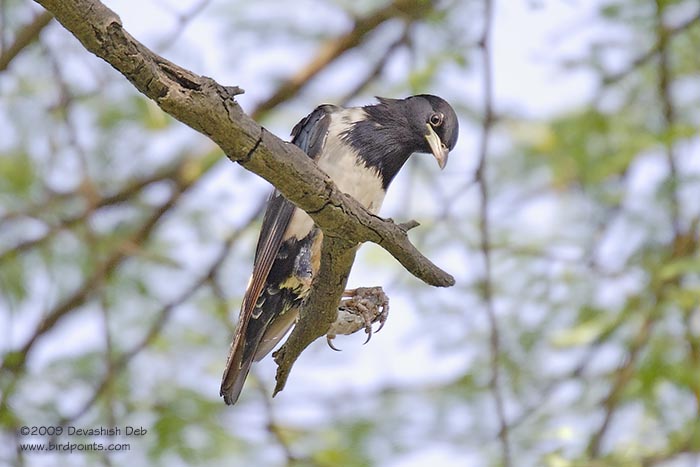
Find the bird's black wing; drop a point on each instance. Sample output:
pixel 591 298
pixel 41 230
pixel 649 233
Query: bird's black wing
pixel 309 135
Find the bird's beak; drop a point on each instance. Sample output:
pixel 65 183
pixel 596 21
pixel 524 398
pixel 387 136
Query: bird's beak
pixel 439 150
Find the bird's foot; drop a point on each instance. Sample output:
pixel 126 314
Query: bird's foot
pixel 359 309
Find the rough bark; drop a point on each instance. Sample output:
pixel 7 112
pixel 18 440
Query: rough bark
pixel 210 108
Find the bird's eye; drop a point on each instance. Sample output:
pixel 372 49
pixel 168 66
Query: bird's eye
pixel 436 119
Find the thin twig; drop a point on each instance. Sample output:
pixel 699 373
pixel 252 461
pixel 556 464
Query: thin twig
pixel 645 57
pixel 669 113
pixel 125 194
pixel 485 230
pixel 336 47
pixel 91 284
pixel 626 370
pixel 161 319
pixel 24 37
pixel 379 65
pixel 623 374
pixel 275 430
pixel 183 20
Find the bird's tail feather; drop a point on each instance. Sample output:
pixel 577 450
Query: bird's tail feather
pixel 240 358
pixel 249 348
pixel 232 384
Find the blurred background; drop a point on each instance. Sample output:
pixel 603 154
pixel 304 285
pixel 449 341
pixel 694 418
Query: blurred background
pixel 568 214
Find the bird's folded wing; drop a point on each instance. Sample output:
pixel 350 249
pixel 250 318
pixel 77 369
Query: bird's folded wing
pixel 309 135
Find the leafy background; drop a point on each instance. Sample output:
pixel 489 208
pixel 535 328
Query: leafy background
pixel 568 213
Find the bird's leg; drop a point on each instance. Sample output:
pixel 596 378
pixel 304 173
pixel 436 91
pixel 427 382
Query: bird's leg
pixel 359 309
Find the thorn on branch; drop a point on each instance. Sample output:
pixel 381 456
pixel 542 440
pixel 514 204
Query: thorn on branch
pixel 234 91
pixel 406 226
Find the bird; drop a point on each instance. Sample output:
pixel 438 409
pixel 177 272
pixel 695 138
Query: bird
pixel 361 149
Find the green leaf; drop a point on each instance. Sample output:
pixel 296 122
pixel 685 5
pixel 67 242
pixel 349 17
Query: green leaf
pixel 678 268
pixel 17 173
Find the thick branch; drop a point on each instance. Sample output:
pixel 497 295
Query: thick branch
pixel 209 108
pixel 321 309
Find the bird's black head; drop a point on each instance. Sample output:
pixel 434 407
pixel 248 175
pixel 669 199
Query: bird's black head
pixel 435 119
pixel 396 128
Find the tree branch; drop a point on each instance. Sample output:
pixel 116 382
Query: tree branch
pixel 485 233
pixel 210 108
pixel 24 37
pixel 335 47
pixel 321 308
pixel 162 317
pixel 644 58
pixel 15 361
pixel 175 172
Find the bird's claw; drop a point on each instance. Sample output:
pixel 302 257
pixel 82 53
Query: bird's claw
pixel 360 308
pixel 329 340
pixel 368 331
